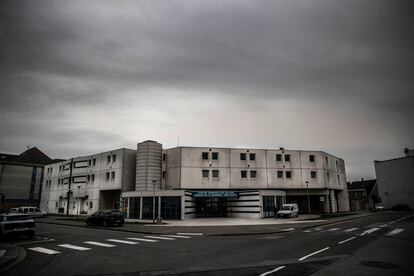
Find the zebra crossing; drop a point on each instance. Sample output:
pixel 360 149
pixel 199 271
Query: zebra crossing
pixel 112 242
pixel 355 230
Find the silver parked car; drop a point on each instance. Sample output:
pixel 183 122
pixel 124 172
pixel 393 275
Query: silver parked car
pixel 18 224
pixel 34 212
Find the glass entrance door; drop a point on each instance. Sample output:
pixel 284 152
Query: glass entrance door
pixel 211 207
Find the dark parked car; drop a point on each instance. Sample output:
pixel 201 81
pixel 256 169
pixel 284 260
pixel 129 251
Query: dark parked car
pixel 16 224
pixel 106 217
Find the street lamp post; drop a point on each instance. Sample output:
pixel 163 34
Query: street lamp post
pixel 153 201
pixel 307 191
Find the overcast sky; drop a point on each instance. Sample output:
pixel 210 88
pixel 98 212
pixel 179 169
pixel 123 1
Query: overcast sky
pixel 81 77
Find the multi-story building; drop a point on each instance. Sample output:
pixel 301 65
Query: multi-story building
pixel 21 177
pixel 83 185
pixel 189 182
pixel 395 179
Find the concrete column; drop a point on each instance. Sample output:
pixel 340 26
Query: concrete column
pixel 333 201
pixel 140 207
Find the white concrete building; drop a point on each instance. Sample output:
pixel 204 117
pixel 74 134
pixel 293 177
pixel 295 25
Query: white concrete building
pixel 192 182
pixel 95 182
pixel 395 180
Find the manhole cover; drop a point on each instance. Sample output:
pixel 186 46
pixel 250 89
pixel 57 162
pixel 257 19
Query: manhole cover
pixel 384 265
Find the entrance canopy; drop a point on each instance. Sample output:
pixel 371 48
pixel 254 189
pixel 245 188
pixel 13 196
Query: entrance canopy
pixel 215 194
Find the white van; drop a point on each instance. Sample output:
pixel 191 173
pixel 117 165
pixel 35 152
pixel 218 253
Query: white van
pixel 31 211
pixel 288 211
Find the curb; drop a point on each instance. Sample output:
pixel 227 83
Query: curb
pixel 10 256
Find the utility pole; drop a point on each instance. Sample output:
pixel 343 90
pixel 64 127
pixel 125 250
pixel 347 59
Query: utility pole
pixel 307 191
pixel 153 200
pixel 70 182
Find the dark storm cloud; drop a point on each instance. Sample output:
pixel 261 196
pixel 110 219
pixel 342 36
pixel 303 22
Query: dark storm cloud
pixel 63 60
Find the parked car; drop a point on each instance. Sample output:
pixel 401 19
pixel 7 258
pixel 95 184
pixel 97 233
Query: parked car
pixel 288 210
pixel 17 224
pixel 105 218
pixel 378 207
pixel 29 210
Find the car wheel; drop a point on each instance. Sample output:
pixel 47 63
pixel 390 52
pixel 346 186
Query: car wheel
pixel 104 223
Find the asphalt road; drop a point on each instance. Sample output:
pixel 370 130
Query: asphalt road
pixel 376 245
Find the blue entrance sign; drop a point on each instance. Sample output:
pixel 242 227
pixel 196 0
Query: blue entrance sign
pixel 215 194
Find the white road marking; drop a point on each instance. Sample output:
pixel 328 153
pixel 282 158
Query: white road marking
pixel 175 236
pixel 384 225
pixel 347 240
pixel 318 229
pixel 2 253
pixel 351 229
pixel 395 232
pixel 34 242
pixel 140 239
pixel 392 222
pixel 314 253
pixel 160 238
pixel 44 250
pixel 288 229
pixel 307 231
pixel 70 246
pixel 271 271
pixel 100 244
pixel 122 241
pixel 369 231
pixel 191 234
pixel 334 229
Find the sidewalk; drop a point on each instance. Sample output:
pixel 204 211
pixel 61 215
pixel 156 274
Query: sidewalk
pixel 212 227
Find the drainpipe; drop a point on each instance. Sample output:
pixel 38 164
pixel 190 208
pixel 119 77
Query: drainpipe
pixel 70 182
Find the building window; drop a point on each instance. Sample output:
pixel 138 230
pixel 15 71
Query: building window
pixel 252 156
pixel 327 175
pixel 163 175
pixel 113 157
pixel 205 173
pixel 164 156
pixel 339 182
pixel 94 162
pixel 93 178
pixel 326 159
pixel 90 204
pixel 313 174
pixel 214 156
pixel 205 155
pixel 215 173
pixel 252 174
pixel 287 157
pixel 288 174
pixel 108 159
pixel 112 175
pixel 279 174
pixel 89 178
pixel 336 163
pixel 311 158
pixel 242 156
pixel 243 174
pixel 107 175
pixel 89 163
pixel 278 157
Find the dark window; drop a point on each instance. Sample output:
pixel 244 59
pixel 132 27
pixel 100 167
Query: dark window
pixel 313 174
pixel 107 176
pixel 278 157
pixel 326 159
pixel 252 174
pixel 214 156
pixel 89 178
pixel 252 156
pixel 242 156
pixel 287 157
pixel 215 173
pixel 311 158
pixel 205 155
pixel 147 207
pixel 164 157
pixel 205 173
pixel 112 175
pixel 108 158
pixel 94 162
pixel 114 158
pixel 134 204
pixel 288 174
pixel 279 174
pixel 171 207
pixel 327 174
pixel 93 178
pixel 243 174
pixel 89 163
pixel 163 175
